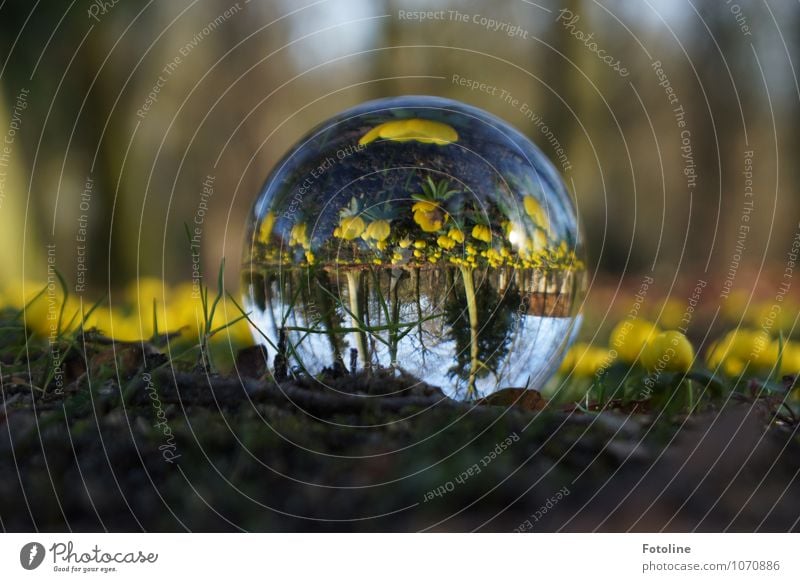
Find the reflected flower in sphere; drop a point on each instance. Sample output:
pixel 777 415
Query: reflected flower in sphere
pixel 378 230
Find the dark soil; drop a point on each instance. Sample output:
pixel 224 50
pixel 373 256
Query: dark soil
pixel 136 444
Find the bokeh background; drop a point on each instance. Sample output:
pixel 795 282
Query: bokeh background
pixel 239 82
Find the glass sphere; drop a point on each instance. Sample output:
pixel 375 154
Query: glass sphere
pixel 417 234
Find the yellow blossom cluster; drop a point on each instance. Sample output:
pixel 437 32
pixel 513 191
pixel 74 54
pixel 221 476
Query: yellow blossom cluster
pixel 127 315
pixel 640 342
pixel 753 351
pixel 634 342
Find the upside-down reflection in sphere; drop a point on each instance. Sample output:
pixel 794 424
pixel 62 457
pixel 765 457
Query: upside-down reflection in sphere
pixel 420 234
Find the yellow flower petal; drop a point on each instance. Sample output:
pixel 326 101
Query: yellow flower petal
pixel 265 228
pixel 456 235
pixel 629 337
pixel 351 227
pixel 482 233
pixel 536 212
pixel 378 230
pixel 669 351
pixel 445 242
pixel 421 130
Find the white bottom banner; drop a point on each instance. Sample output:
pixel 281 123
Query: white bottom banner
pixel 399 557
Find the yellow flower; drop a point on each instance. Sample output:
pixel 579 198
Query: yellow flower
pixel 585 360
pixel 481 232
pixel 669 351
pixel 405 243
pixel 417 254
pixel 630 336
pixel 494 256
pixel 421 130
pixel 790 359
pixel 381 245
pixel 378 230
pixel 350 227
pixel 445 242
pixel 424 206
pixel 141 292
pixel 456 234
pixel 428 215
pixel 310 257
pixel 672 313
pixel 733 367
pixel 420 244
pixel 752 348
pixel 265 228
pixel 428 222
pixel 298 235
pixel 536 212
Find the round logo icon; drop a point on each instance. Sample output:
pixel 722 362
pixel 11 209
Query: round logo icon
pixel 31 555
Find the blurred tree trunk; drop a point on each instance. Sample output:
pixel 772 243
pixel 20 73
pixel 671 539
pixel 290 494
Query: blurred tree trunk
pixel 718 137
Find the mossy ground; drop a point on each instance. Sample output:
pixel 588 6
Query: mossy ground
pixel 364 454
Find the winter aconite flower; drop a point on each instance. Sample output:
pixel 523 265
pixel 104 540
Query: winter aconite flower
pixel 584 360
pixel 536 212
pixel 790 359
pixel 265 228
pixel 482 232
pixel 378 230
pixel 428 215
pixel 456 234
pixel 669 351
pixel 421 130
pixel 630 336
pixel 350 227
pixel 445 242
pixel 745 349
pixel 299 235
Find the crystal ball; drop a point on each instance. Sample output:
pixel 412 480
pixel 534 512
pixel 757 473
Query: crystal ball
pixel 419 235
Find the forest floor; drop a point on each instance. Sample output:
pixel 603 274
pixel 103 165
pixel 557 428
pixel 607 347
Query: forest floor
pixel 119 438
